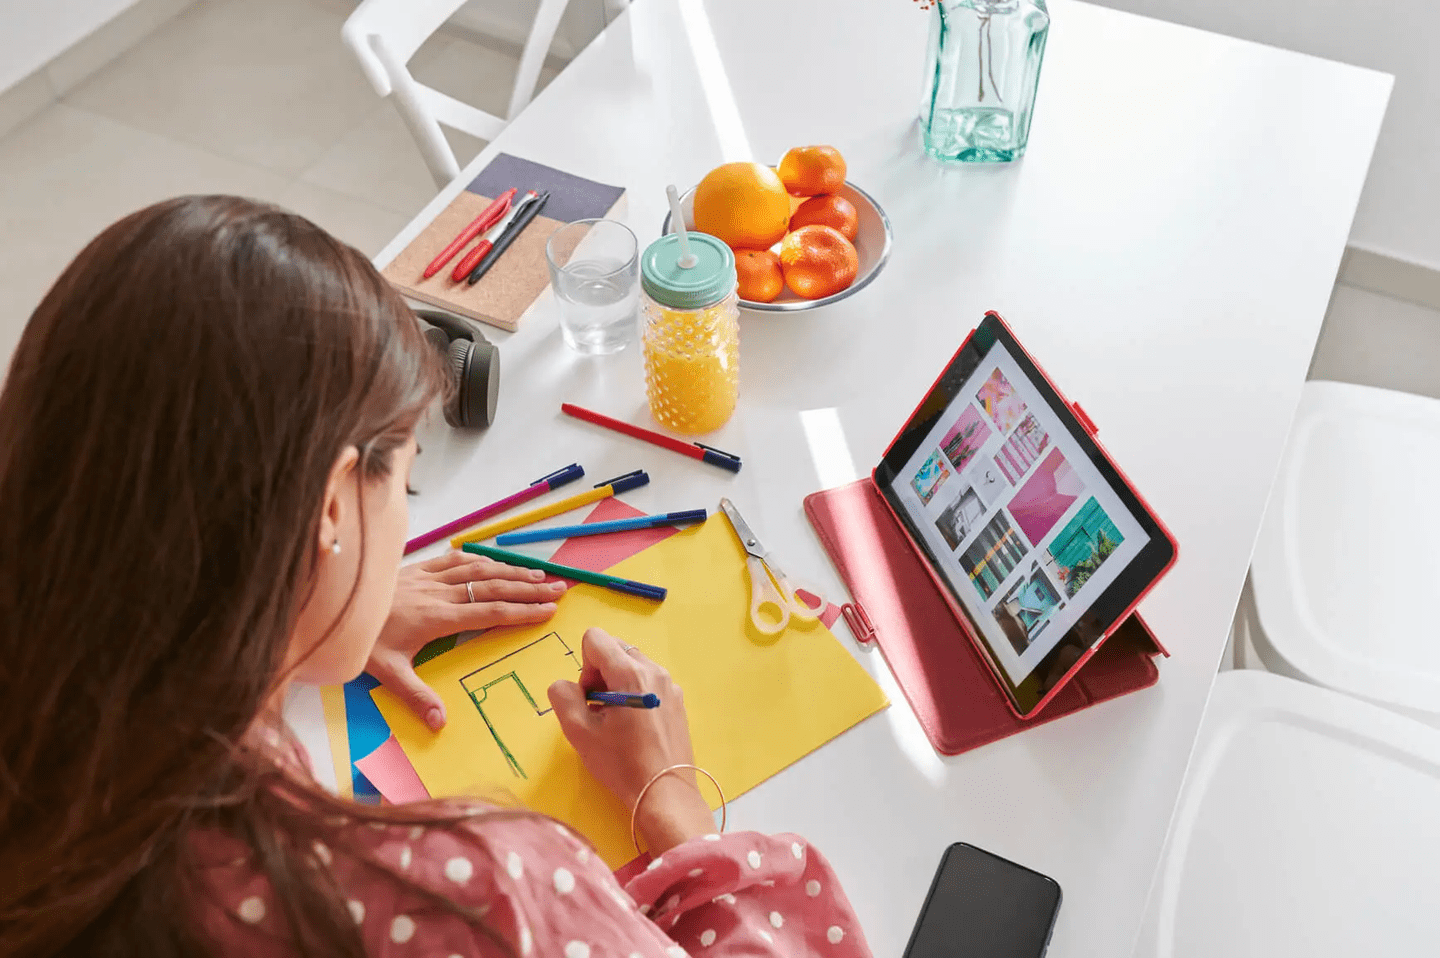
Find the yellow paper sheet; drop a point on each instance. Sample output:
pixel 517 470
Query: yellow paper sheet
pixel 756 703
pixel 332 700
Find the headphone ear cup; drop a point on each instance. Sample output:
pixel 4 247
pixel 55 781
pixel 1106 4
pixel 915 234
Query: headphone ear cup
pixel 482 383
pixel 458 357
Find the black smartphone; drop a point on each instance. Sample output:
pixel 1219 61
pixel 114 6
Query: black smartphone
pixel 983 906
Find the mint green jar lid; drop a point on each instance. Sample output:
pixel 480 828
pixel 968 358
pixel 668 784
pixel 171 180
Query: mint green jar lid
pixel 668 283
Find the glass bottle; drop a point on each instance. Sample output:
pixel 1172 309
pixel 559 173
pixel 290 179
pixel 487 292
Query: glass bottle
pixel 690 332
pixel 983 69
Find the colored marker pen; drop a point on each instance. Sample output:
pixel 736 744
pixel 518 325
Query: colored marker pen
pixel 632 700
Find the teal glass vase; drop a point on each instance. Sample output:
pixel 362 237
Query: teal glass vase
pixel 983 69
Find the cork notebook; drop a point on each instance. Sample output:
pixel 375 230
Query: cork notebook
pixel 506 291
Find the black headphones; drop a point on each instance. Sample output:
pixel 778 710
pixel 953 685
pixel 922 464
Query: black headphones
pixel 474 365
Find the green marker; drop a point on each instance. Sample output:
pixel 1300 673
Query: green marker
pixel 628 586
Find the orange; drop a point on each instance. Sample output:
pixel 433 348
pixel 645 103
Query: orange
pixel 811 170
pixel 743 204
pixel 759 272
pixel 818 261
pixel 828 209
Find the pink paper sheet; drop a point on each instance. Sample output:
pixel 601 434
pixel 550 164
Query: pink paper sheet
pixel 392 774
pixel 598 553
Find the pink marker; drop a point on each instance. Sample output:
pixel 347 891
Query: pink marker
pixel 539 487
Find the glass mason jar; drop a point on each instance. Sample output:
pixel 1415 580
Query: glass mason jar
pixel 690 332
pixel 982 71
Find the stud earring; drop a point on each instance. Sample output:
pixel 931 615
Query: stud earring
pixel 335 547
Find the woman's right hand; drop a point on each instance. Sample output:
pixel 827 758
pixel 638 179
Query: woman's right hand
pixel 627 747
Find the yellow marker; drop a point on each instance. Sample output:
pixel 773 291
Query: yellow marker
pixel 631 480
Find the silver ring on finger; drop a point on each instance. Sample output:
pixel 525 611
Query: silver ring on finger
pixel 629 648
pixel 470 590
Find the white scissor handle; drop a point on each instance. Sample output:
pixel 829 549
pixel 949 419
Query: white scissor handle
pixel 769 609
pixel 805 602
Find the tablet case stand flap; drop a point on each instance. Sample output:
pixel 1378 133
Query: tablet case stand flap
pixel 959 703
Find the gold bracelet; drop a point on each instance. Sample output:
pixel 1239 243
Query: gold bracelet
pixel 635 812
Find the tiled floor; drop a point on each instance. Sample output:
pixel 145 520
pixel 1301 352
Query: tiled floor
pixel 1378 341
pixel 257 97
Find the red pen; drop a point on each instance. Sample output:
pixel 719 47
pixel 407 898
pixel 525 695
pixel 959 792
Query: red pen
pixel 695 450
pixel 473 258
pixel 480 224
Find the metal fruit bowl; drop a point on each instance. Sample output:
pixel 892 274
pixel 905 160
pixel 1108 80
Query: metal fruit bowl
pixel 872 244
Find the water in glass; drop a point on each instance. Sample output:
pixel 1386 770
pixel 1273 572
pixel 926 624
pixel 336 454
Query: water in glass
pixel 598 299
pixel 595 272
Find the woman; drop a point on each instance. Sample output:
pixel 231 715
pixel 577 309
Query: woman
pixel 204 441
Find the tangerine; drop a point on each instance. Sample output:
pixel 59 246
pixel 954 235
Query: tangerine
pixel 743 204
pixel 828 209
pixel 818 261
pixel 811 170
pixel 758 270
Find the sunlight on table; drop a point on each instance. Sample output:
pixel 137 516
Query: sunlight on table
pixel 729 129
pixel 834 465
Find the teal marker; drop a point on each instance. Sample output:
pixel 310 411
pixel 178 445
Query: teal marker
pixel 688 517
pixel 628 586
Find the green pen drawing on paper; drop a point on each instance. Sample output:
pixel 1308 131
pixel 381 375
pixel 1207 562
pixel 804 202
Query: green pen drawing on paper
pixel 502 690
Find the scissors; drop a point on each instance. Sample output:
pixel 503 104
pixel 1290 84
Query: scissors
pixel 773 600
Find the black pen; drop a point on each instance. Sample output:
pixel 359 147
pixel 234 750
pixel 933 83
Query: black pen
pixel 517 226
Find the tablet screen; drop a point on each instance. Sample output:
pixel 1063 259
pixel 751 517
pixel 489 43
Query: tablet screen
pixel 1019 512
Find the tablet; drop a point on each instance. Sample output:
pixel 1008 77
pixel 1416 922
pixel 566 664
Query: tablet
pixel 1040 543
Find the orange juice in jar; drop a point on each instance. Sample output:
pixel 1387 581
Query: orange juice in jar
pixel 691 337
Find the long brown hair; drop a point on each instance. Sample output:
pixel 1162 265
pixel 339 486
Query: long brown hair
pixel 167 428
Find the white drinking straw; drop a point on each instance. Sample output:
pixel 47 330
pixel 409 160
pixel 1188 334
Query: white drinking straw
pixel 687 259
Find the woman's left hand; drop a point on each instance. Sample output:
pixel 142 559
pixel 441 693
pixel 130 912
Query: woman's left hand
pixel 431 600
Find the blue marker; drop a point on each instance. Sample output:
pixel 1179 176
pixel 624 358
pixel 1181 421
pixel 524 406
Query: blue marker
pixel 628 699
pixel 686 518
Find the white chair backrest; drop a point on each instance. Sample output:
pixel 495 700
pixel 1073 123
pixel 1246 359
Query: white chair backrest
pixel 401 26
pixel 384 35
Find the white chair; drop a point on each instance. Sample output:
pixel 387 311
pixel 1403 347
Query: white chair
pixel 384 35
pixel 1305 828
pixel 1345 567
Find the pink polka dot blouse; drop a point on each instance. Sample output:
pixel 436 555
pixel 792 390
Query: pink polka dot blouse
pixel 545 892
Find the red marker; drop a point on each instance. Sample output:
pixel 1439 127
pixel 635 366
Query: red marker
pixel 480 224
pixel 473 258
pixel 695 450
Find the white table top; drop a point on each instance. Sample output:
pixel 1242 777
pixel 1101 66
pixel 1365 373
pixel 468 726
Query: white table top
pixel 1166 250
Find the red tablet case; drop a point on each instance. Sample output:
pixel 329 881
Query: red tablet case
pixel 896 603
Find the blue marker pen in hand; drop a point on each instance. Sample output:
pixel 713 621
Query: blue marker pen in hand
pixel 634 700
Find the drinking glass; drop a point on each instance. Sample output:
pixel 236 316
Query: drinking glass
pixel 595 272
